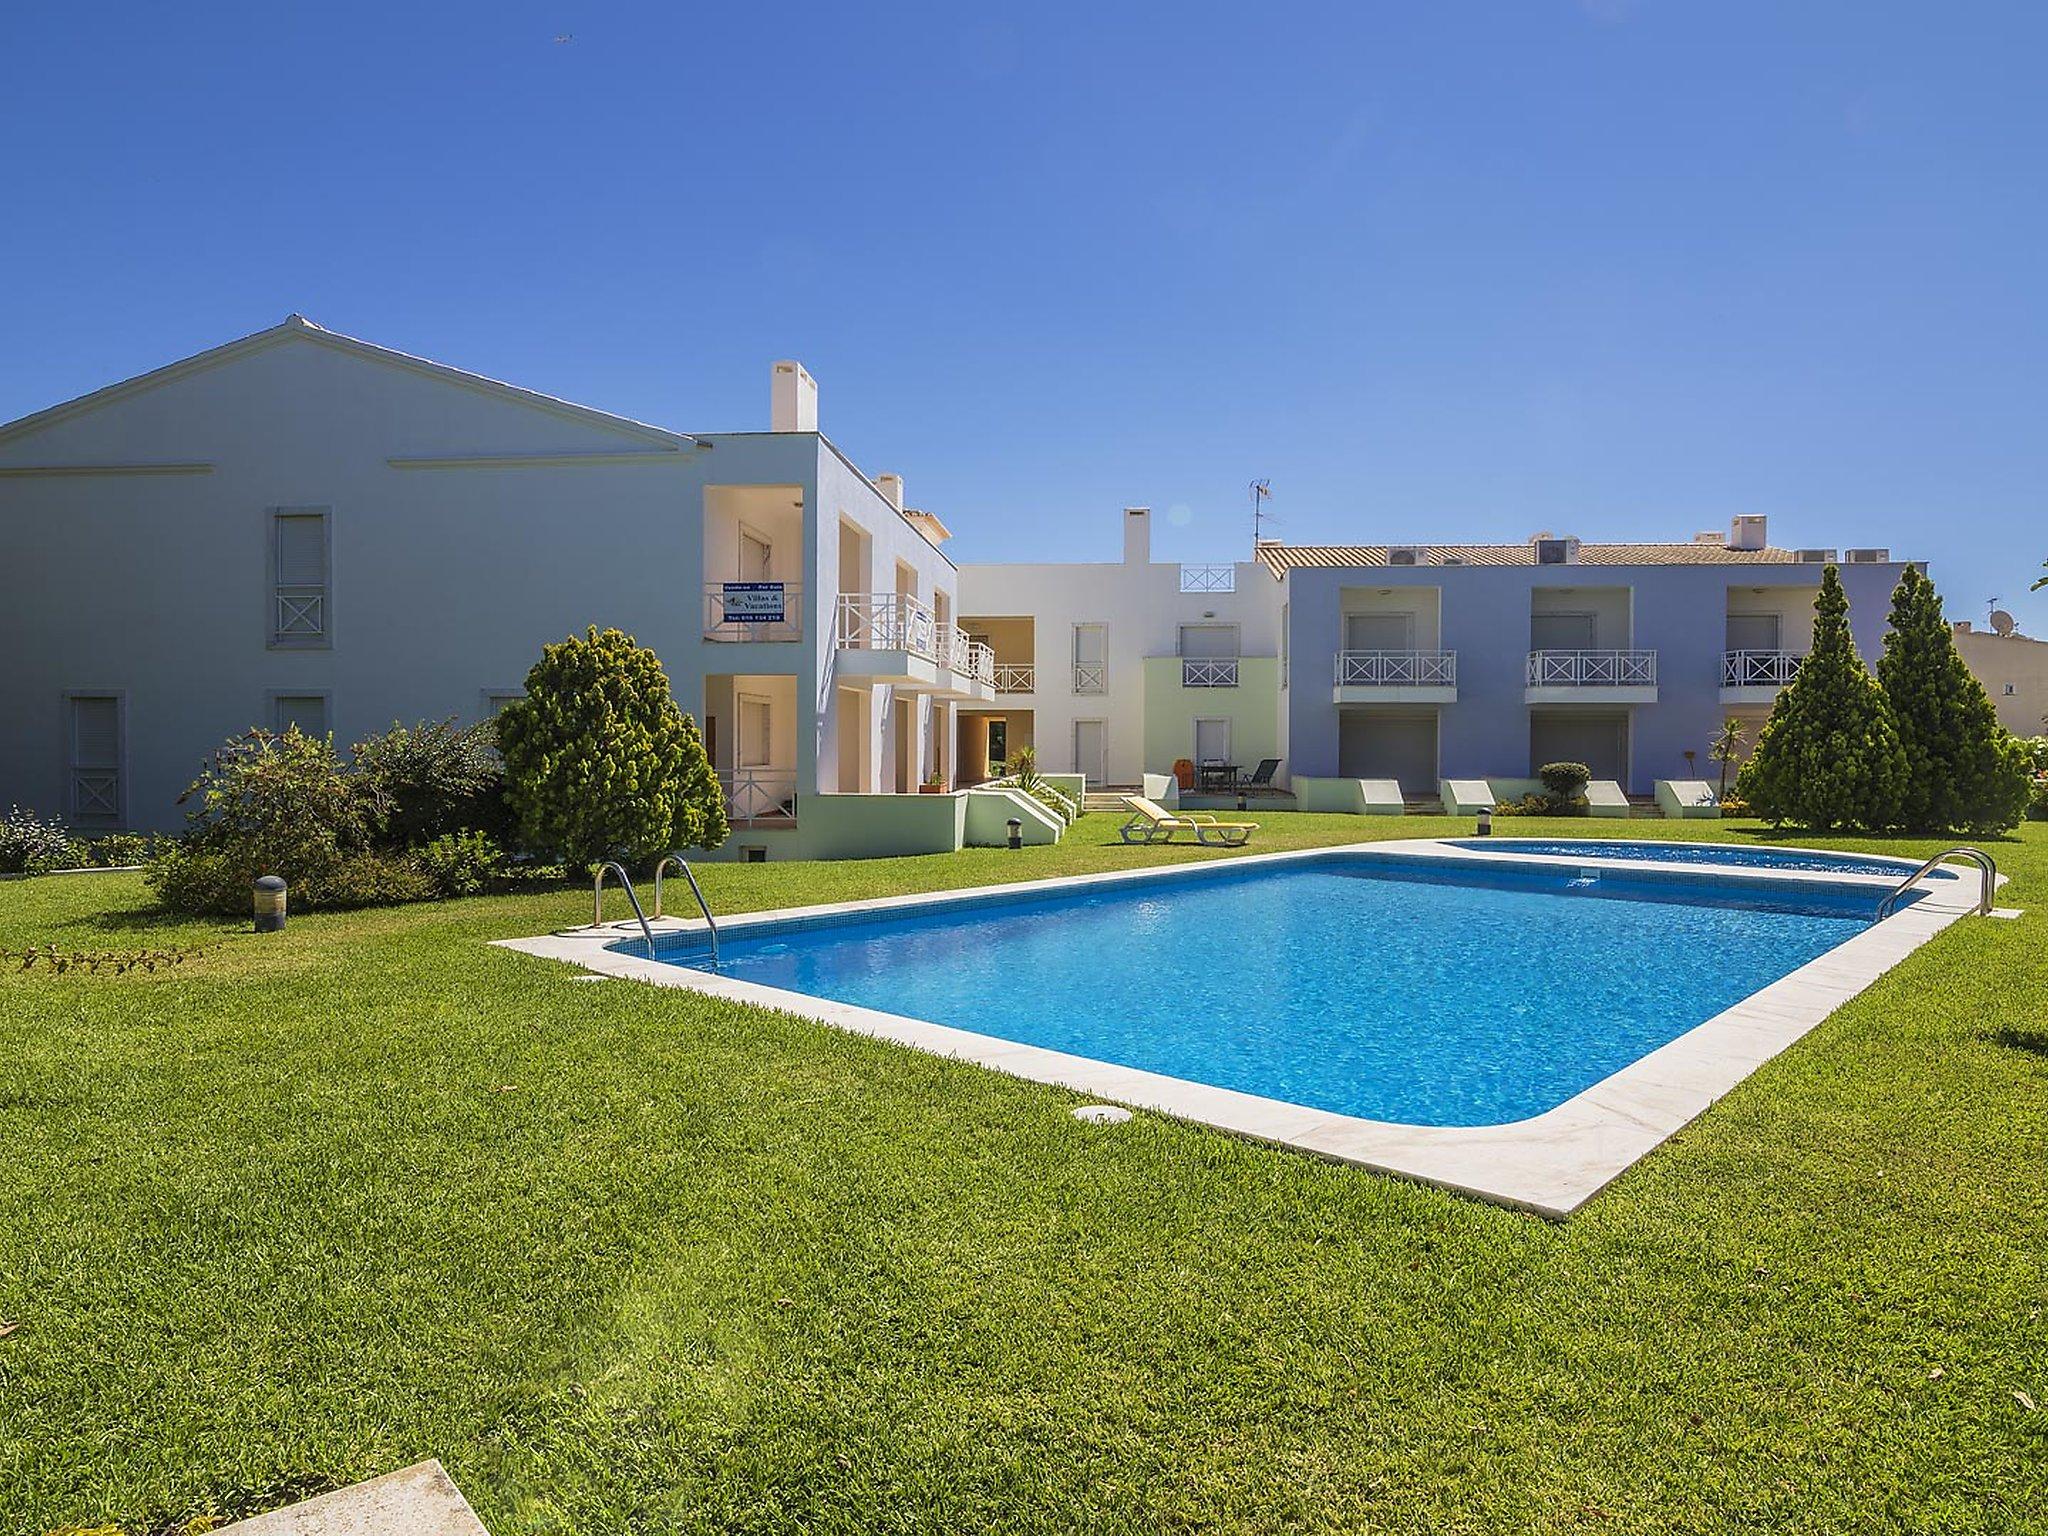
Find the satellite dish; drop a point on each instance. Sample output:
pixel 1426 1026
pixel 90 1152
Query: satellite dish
pixel 2002 622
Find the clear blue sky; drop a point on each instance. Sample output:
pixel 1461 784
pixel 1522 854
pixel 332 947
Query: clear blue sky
pixel 1620 268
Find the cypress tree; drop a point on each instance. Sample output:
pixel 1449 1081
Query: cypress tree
pixel 1964 771
pixel 1829 755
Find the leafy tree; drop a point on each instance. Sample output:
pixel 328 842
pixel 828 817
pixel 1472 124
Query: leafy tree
pixel 1726 747
pixel 599 762
pixel 1829 755
pixel 1964 770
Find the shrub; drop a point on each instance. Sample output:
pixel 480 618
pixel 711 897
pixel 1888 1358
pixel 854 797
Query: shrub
pixel 1054 800
pixel 30 845
pixel 1023 766
pixel 265 804
pixel 1528 805
pixel 462 863
pixel 425 781
pixel 1733 805
pixel 599 762
pixel 1964 771
pixel 371 879
pixel 1829 755
pixel 120 848
pixel 2037 801
pixel 1564 787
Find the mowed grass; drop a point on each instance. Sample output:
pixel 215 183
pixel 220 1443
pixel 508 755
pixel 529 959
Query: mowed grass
pixel 311 1207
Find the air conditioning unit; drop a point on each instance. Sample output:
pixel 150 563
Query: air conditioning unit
pixel 1556 551
pixel 1404 554
pixel 1867 556
pixel 1814 556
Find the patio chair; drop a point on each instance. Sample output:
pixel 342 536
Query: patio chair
pixel 1151 822
pixel 1262 776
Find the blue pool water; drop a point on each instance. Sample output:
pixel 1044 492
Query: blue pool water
pixel 1707 853
pixel 1346 983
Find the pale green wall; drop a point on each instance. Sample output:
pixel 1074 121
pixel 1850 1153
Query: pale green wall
pixel 1253 709
pixel 989 812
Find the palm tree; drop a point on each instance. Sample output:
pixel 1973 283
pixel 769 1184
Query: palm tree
pixel 1727 747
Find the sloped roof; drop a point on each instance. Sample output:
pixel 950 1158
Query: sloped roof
pixel 299 328
pixel 1281 558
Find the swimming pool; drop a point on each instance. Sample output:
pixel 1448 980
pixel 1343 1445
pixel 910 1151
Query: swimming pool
pixel 1738 855
pixel 1452 993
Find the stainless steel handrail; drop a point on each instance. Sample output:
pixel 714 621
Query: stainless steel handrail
pixel 696 890
pixel 626 885
pixel 1985 864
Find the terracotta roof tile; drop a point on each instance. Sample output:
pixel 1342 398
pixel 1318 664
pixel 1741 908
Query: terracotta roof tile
pixel 1281 558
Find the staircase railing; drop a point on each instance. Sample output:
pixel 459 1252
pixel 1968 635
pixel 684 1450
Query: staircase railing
pixel 696 890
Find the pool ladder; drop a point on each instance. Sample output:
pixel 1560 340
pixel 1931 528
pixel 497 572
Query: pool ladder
pixel 1986 866
pixel 625 883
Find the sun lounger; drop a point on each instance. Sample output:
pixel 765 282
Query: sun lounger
pixel 1151 822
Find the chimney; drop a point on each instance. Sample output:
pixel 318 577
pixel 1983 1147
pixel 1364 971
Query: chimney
pixel 792 399
pixel 891 487
pixel 1137 535
pixel 1746 533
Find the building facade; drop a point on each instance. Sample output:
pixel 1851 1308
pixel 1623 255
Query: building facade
pixel 303 528
pixel 300 527
pixel 2013 669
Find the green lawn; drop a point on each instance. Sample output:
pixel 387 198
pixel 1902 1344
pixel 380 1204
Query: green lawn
pixel 310 1207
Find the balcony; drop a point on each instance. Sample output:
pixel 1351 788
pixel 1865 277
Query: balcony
pixel 888 638
pixel 1208 672
pixel 1208 578
pixel 1397 677
pixel 967 667
pixel 1754 677
pixel 1016 677
pixel 759 797
pixel 753 610
pixel 1591 677
pixel 1091 677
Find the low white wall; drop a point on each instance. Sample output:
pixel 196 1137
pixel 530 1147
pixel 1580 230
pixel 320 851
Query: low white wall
pixel 988 813
pixel 876 826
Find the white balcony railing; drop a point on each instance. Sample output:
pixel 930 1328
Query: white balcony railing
pixel 726 619
pixel 1208 672
pixel 1208 578
pixel 887 621
pixel 1397 669
pixel 760 796
pixel 973 658
pixel 1592 669
pixel 1016 677
pixel 1759 669
pixel 1091 677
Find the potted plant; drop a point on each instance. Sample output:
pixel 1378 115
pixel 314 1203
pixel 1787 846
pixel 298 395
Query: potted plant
pixel 934 784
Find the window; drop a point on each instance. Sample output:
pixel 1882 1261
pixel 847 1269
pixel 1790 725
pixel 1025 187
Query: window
pixel 1208 640
pixel 1561 632
pixel 307 711
pixel 495 700
pixel 1091 658
pixel 1379 631
pixel 93 730
pixel 300 602
pixel 2008 690
pixel 1752 632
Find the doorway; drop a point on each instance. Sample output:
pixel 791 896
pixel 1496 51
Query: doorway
pixel 1091 750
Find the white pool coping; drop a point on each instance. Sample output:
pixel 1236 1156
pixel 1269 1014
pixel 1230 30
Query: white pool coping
pixel 1550 1164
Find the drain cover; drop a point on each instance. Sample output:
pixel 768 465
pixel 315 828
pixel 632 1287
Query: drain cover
pixel 1102 1114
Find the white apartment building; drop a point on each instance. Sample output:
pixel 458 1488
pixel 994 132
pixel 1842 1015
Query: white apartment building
pixel 1115 670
